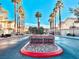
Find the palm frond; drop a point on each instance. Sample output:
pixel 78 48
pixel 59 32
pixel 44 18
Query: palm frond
pixel 13 0
pixel 38 14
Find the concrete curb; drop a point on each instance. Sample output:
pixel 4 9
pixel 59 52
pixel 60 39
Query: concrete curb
pixel 77 38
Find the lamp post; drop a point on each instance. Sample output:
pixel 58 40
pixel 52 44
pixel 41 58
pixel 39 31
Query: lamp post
pixel 73 29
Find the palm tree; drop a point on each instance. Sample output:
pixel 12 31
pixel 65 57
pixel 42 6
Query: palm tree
pixel 15 4
pixel 60 19
pixel 38 15
pixel 14 1
pixel 60 4
pixel 21 16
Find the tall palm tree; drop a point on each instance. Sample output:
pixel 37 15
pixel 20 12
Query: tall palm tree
pixel 60 4
pixel 15 10
pixel 14 1
pixel 38 15
pixel 60 19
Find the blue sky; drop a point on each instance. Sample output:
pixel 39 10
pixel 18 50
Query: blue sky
pixel 43 6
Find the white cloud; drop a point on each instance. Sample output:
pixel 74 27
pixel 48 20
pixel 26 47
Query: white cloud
pixel 35 25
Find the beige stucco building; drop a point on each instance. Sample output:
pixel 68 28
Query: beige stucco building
pixel 67 26
pixel 6 26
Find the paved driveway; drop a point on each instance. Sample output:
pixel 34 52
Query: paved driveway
pixel 70 46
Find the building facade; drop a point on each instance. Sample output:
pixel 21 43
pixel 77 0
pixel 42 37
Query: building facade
pixel 70 25
pixel 6 26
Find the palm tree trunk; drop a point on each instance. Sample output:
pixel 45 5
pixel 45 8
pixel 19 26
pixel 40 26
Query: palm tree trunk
pixel 55 26
pixel 17 20
pixel 19 25
pixel 50 24
pixel 38 25
pixel 60 20
pixel 15 16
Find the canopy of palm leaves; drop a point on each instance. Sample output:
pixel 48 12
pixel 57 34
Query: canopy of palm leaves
pixel 75 11
pixel 13 0
pixel 38 14
pixel 52 15
pixel 16 1
pixel 21 12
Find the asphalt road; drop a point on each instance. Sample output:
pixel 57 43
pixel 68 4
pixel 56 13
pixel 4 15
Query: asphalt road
pixel 70 47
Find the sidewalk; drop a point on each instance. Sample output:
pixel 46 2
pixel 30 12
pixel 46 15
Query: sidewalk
pixel 70 37
pixel 12 39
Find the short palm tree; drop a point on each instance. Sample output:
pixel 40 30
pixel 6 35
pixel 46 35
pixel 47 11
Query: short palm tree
pixel 38 15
